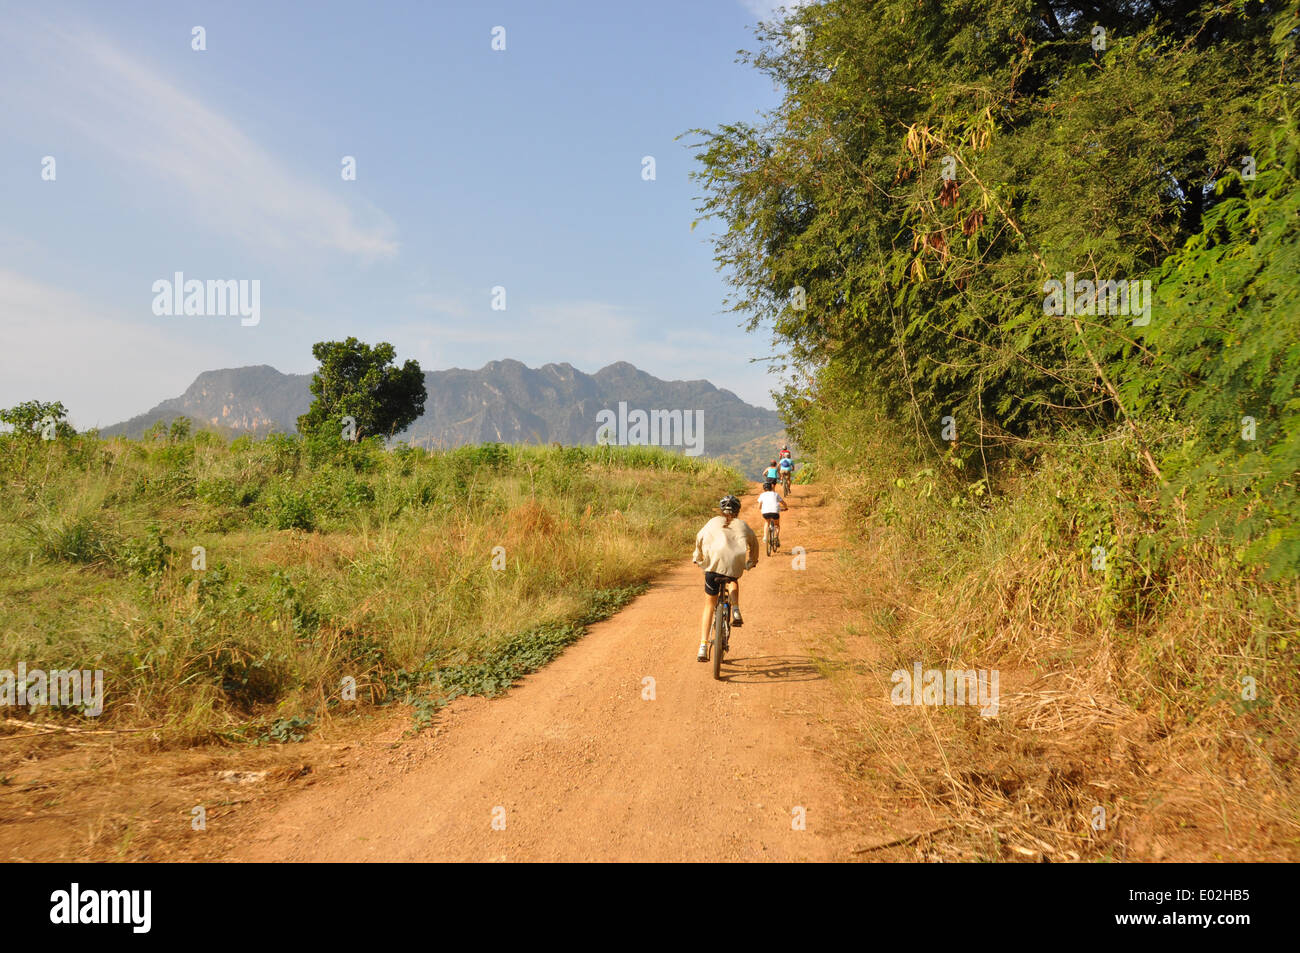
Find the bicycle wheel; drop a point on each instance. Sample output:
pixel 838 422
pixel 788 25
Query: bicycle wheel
pixel 721 623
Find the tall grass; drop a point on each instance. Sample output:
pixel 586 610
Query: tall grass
pixel 230 590
pixel 1126 687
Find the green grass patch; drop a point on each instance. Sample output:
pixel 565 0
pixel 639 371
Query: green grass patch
pixel 232 590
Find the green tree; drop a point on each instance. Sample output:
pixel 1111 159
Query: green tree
pixel 1222 366
pixel 38 418
pixel 180 429
pixel 933 164
pixel 360 382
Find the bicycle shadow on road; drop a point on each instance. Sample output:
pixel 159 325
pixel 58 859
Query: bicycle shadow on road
pixel 769 668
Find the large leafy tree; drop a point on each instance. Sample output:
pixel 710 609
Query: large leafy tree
pixel 362 383
pixel 38 418
pixel 934 164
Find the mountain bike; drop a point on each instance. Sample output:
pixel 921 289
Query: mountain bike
pixel 785 483
pixel 771 537
pixel 721 640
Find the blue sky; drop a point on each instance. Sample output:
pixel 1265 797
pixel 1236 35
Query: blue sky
pixel 475 168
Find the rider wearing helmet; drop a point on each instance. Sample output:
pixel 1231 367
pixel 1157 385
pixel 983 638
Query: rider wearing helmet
pixel 771 473
pixel 785 466
pixel 771 503
pixel 724 548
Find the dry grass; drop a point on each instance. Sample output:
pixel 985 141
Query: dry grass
pixel 394 574
pixel 1120 691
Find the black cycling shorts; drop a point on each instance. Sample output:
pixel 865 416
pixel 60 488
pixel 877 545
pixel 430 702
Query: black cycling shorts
pixel 713 582
pixel 772 516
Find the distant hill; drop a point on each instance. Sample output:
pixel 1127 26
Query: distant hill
pixel 256 400
pixel 752 457
pixel 503 401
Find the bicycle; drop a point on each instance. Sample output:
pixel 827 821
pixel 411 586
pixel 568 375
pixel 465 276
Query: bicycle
pixel 785 483
pixel 721 640
pixel 772 538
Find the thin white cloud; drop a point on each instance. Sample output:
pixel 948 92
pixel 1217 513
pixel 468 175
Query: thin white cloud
pixel 59 346
pixel 152 128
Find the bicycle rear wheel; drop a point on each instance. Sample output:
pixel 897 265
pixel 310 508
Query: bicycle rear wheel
pixel 721 624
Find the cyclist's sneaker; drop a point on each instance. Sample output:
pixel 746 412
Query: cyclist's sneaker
pixel 704 652
pixel 736 621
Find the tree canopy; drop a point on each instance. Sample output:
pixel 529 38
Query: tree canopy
pixel 935 166
pixel 360 392
pixel 38 418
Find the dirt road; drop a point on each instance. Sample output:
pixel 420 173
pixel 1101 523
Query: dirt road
pixel 624 748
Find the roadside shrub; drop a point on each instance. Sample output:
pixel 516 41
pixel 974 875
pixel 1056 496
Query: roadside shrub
pixel 339 495
pixel 147 556
pixel 286 509
pixel 285 597
pixel 221 491
pixel 365 456
pixel 282 451
pixel 175 456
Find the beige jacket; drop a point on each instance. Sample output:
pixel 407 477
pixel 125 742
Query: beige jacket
pixel 726 549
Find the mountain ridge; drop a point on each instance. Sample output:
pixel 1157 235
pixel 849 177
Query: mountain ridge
pixel 504 401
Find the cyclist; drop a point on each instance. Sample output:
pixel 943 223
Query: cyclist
pixel 772 473
pixel 786 466
pixel 785 451
pixel 724 549
pixel 770 504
